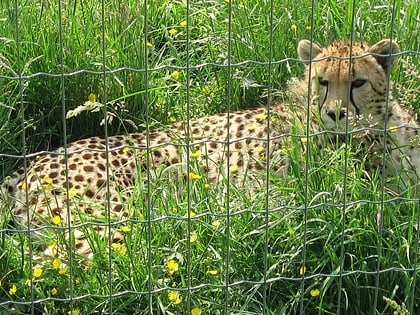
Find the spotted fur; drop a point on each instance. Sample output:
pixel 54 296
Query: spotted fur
pixel 355 93
pixel 347 94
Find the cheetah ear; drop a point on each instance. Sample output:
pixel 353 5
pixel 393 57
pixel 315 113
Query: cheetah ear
pixel 386 49
pixel 304 50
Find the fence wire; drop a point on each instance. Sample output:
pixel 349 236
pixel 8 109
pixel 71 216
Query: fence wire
pixel 328 238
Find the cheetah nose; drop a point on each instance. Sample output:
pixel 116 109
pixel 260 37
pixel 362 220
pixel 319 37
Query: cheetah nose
pixel 332 114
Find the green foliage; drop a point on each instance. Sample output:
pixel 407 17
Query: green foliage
pixel 312 245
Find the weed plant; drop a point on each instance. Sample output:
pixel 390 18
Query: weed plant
pixel 325 239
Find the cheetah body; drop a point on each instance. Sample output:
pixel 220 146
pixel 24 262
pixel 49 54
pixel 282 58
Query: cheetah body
pixel 346 94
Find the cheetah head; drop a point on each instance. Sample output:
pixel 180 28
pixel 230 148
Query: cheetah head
pixel 349 92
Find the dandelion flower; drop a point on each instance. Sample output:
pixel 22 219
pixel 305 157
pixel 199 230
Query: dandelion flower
pixel 56 263
pixel 193 237
pixel 172 266
pixel 92 97
pixel 172 31
pixel 54 291
pixel 62 271
pixel 234 168
pixel 196 311
pixel 261 117
pixel 251 128
pixel 205 90
pixel 193 176
pixel 56 220
pixel 183 23
pixel 125 229
pixel 175 297
pixel 175 75
pixel 212 272
pixel 120 249
pixel 314 292
pixel 72 192
pixel 47 180
pixel 37 272
pixel 13 290
pixel 196 154
pixel 393 129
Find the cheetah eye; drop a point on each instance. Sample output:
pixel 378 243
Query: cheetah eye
pixel 358 83
pixel 322 82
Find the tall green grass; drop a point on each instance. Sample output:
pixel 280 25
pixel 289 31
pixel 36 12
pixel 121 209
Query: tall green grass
pixel 317 250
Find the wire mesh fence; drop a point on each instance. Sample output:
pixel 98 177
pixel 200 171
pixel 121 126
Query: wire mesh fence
pixel 206 182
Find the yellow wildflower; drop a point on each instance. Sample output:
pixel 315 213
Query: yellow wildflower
pixel 172 31
pixel 13 290
pixel 215 223
pixel 56 220
pixel 37 272
pixel 72 192
pixel 125 229
pixel 52 246
pixel 126 150
pixel 206 185
pixel 56 263
pixel 393 129
pixel 192 175
pixel 183 23
pixel 308 28
pixel 149 44
pixel 213 272
pixel 172 119
pixel 304 140
pixel 92 98
pixel 62 270
pixel 175 297
pixel 196 311
pixel 172 266
pixel 73 312
pixel 261 117
pixel 192 214
pixel 24 186
pixel 54 291
pixel 205 90
pixel 193 237
pixel 293 27
pixel 251 128
pixel 196 154
pixel 175 75
pixel 47 180
pixel 314 292
pixel 120 249
pixel 234 168
pixel 302 270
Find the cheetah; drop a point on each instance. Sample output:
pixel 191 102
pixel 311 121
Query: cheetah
pixel 353 95
pixel 349 93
